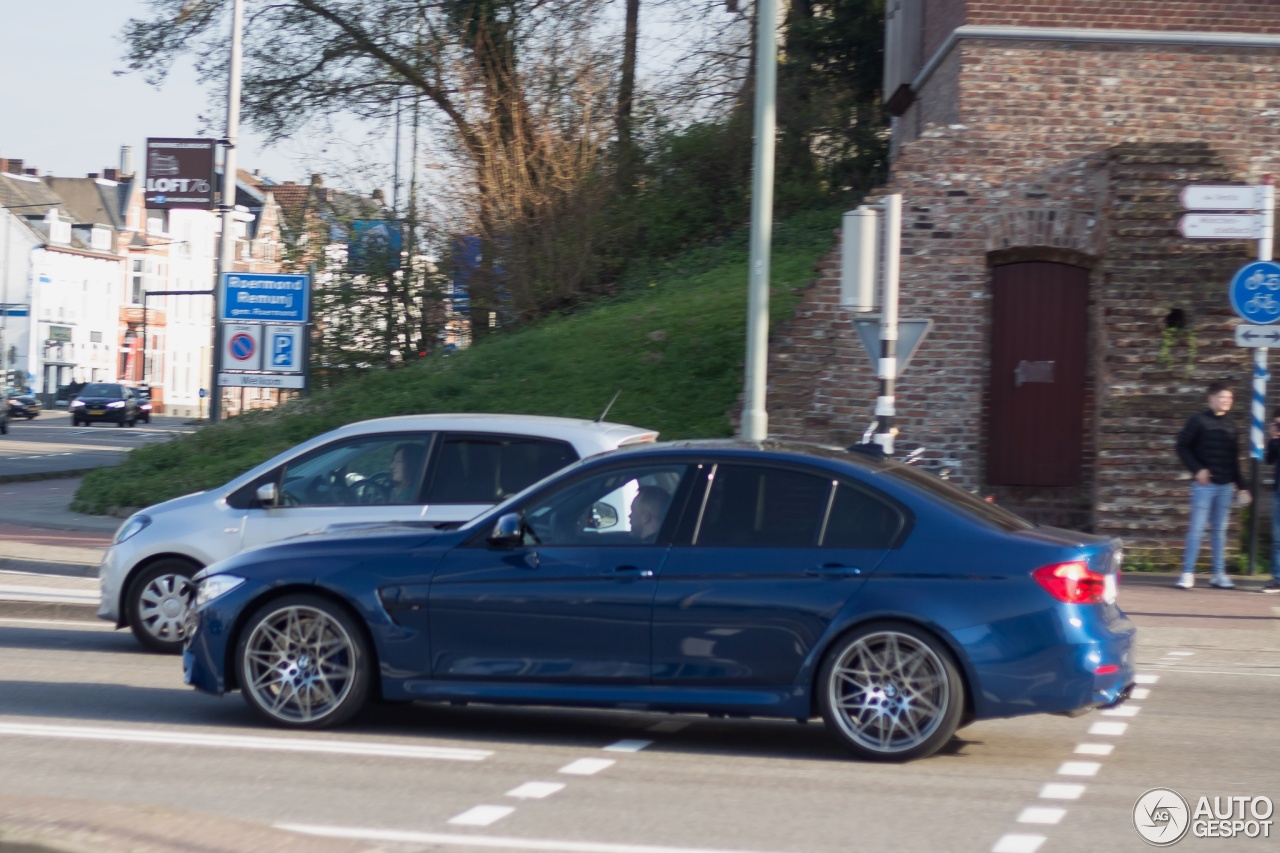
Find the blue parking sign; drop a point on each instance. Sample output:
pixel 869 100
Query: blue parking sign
pixel 282 349
pixel 1255 292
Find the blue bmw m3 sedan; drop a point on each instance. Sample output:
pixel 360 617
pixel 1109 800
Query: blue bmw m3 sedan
pixel 765 579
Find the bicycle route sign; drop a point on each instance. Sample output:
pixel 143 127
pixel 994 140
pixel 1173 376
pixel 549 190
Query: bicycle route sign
pixel 1255 292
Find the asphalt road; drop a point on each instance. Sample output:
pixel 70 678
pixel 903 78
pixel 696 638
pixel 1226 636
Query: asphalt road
pixel 50 443
pixel 86 717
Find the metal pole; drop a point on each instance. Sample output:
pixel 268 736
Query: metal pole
pixel 888 368
pixel 145 294
pixel 755 418
pixel 226 249
pixel 1256 436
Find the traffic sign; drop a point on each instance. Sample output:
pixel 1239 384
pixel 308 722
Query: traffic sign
pixel 283 349
pixel 1221 198
pixel 1221 226
pixel 910 334
pixel 1255 292
pixel 242 346
pixel 260 380
pixel 265 297
pixel 1257 336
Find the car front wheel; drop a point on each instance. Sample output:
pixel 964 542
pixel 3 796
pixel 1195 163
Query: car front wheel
pixel 302 662
pixel 891 692
pixel 157 605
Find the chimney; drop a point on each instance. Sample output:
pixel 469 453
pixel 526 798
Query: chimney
pixel 94 175
pixel 317 179
pixel 32 172
pixel 377 195
pixel 126 161
pixel 111 174
pixel 15 167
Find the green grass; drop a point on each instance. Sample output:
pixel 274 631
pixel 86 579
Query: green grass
pixel 673 342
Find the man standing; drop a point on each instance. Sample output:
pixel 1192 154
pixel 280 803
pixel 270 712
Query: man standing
pixel 1273 458
pixel 1209 446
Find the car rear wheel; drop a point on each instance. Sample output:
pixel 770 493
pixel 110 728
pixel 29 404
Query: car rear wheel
pixel 891 692
pixel 302 662
pixel 158 602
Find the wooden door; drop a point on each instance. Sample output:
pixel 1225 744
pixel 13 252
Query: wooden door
pixel 1039 331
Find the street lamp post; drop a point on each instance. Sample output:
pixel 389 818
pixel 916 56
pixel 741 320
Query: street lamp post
pixel 226 248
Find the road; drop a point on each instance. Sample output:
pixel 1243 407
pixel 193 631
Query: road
pixel 90 722
pixel 50 443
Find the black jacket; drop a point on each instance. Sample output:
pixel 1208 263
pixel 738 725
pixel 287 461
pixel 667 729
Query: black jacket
pixel 1273 458
pixel 1211 441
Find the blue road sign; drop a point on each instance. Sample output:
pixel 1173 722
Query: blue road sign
pixel 281 350
pixel 266 297
pixel 1255 292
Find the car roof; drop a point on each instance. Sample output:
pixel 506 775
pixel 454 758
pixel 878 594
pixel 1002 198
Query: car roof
pixel 771 448
pixel 534 425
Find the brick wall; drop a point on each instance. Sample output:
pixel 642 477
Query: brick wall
pixel 1258 16
pixel 1058 151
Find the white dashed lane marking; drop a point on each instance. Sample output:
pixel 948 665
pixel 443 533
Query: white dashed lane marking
pixel 1079 768
pixel 1095 748
pixel 535 790
pixel 1037 814
pixel 481 815
pixel 1139 693
pixel 1018 844
pixel 1110 729
pixel 1122 711
pixel 628 746
pixel 1145 678
pixel 586 766
pixel 1061 791
pixel 441 839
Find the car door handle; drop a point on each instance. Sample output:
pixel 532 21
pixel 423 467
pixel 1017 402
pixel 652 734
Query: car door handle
pixel 630 572
pixel 833 570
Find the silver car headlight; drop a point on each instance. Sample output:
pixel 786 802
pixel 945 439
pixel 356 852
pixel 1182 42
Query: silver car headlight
pixel 75 404
pixel 133 526
pixel 216 586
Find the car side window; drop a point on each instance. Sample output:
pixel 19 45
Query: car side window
pixel 376 470
pixel 628 506
pixel 749 506
pixel 859 519
pixel 487 469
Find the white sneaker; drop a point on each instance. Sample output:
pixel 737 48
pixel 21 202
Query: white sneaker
pixel 1221 582
pixel 1187 581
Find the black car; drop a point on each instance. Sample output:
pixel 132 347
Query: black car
pixel 4 420
pixel 105 401
pixel 144 404
pixel 24 406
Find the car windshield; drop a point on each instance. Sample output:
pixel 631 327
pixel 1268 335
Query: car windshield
pixel 102 389
pixel 957 497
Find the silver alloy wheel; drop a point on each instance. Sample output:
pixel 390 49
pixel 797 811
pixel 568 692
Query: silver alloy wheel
pixel 162 606
pixel 299 664
pixel 889 692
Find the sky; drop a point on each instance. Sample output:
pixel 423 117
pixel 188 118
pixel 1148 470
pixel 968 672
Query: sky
pixel 64 111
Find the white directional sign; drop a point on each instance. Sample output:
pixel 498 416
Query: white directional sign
pixel 1221 226
pixel 1257 336
pixel 260 380
pixel 282 348
pixel 1221 198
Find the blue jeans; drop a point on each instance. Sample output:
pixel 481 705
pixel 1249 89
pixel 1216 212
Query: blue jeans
pixel 1212 504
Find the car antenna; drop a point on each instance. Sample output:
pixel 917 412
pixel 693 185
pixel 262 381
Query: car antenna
pixel 610 406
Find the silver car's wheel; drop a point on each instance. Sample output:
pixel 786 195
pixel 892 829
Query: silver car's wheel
pixel 891 693
pixel 301 662
pixel 157 605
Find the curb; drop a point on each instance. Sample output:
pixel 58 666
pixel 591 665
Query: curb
pixel 48 475
pixel 49 610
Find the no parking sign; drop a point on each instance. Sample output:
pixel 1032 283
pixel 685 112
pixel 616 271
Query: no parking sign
pixel 242 346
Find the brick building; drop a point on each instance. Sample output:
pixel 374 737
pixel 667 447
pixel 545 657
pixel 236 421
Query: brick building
pixel 1040 149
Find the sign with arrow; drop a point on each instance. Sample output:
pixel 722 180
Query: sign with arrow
pixel 1221 226
pixel 1221 198
pixel 1257 336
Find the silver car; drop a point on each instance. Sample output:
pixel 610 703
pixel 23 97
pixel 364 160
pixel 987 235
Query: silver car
pixel 429 468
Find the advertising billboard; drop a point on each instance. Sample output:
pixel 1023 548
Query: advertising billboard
pixel 179 174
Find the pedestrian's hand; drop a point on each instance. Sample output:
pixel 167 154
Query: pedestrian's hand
pixel 1243 498
pixel 1202 476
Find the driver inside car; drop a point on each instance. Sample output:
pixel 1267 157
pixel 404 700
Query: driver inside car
pixel 405 471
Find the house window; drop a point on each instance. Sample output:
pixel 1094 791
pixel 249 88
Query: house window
pixel 135 290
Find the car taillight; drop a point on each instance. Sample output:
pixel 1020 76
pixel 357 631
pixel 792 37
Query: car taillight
pixel 1074 583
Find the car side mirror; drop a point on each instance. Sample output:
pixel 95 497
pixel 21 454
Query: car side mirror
pixel 603 516
pixel 267 494
pixel 508 530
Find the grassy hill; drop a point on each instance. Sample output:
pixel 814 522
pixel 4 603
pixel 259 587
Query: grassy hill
pixel 673 342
